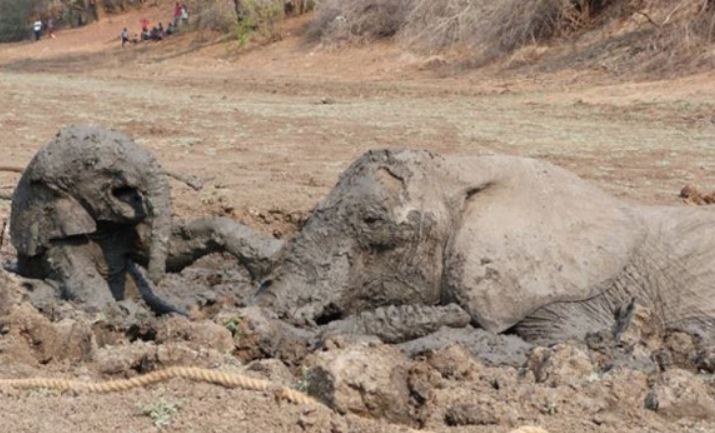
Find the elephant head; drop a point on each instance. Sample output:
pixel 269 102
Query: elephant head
pixel 88 179
pixel 500 236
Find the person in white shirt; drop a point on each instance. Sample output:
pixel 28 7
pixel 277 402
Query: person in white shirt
pixel 37 29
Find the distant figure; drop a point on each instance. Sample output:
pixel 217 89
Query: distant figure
pixel 145 25
pixel 160 30
pixel 170 29
pixel 125 37
pixel 178 12
pixel 37 29
pixel 51 28
pixel 184 14
pixel 155 34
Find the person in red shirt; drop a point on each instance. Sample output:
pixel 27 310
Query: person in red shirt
pixel 177 14
pixel 145 24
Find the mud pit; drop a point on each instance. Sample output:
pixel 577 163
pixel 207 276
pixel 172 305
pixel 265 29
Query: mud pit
pixel 268 150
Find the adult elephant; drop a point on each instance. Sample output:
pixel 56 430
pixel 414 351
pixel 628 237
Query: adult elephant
pixel 515 243
pixel 93 207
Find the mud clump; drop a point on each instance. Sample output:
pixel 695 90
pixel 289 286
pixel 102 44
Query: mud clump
pixel 30 336
pixel 561 364
pixel 365 379
pixel 680 394
pixel 693 195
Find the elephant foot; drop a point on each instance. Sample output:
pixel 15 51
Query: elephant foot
pixel 254 251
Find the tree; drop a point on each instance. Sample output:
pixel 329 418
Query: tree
pixel 14 16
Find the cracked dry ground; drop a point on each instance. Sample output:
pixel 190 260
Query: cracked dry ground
pixel 269 145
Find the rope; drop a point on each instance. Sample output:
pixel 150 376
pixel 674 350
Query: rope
pixel 229 380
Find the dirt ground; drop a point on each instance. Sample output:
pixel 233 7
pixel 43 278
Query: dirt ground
pixel 269 128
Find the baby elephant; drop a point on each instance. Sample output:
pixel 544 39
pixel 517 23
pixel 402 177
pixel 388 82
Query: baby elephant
pixel 515 243
pixel 93 208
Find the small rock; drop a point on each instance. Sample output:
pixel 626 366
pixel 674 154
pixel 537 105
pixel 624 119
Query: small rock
pixel 561 364
pixel 197 335
pixel 139 356
pixel 469 414
pixel 454 362
pixel 272 369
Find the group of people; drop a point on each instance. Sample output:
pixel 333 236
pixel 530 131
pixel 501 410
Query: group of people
pixel 158 32
pixel 40 25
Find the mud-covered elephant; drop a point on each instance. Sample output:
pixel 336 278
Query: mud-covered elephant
pixel 93 208
pixel 518 244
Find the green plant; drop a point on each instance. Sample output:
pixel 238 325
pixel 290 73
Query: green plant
pixel 161 412
pixel 234 326
pixel 302 384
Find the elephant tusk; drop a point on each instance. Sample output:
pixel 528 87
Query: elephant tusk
pixel 191 181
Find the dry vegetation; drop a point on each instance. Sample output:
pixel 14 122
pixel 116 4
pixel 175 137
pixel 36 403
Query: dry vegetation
pixel 659 33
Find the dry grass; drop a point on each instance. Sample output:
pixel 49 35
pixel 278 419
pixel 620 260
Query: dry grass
pixel 340 21
pixel 669 31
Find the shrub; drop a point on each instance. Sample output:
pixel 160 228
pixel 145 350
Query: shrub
pixel 14 19
pixel 259 17
pixel 492 28
pixel 214 15
pixel 244 18
pixel 358 20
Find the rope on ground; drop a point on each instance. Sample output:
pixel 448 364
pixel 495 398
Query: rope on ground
pixel 229 380
pixel 11 169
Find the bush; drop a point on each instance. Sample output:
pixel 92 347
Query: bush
pixel 259 17
pixel 244 18
pixel 493 28
pixel 14 19
pixel 215 15
pixel 358 20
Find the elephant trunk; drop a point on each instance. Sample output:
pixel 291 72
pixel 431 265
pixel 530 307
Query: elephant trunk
pixel 159 210
pixel 309 282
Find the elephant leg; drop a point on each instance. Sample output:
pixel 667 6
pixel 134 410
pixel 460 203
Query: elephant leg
pixel 75 266
pixel 191 241
pixel 396 324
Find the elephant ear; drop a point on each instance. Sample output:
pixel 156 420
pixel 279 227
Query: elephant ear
pixel 40 214
pixel 530 234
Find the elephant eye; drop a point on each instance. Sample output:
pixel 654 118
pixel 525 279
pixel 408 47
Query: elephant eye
pixel 371 219
pixel 127 194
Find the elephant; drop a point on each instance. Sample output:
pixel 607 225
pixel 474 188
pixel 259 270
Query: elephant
pixel 503 243
pixel 93 207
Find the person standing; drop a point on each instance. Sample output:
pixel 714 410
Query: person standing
pixel 37 29
pixel 178 12
pixel 125 37
pixel 184 14
pixel 51 28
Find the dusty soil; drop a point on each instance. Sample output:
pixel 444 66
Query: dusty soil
pixel 269 128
